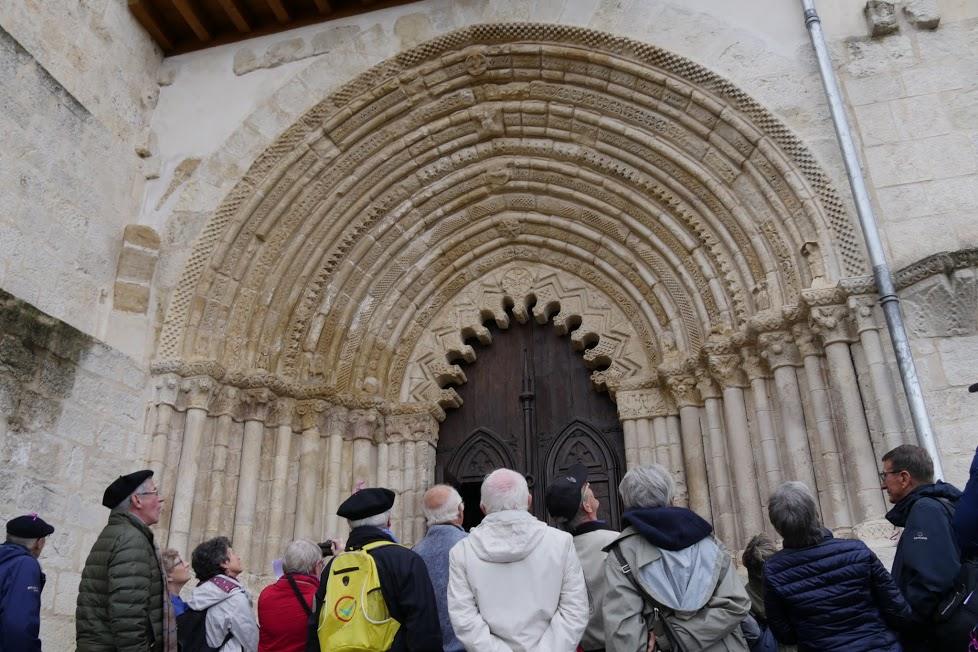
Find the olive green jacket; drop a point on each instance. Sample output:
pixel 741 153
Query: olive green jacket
pixel 120 597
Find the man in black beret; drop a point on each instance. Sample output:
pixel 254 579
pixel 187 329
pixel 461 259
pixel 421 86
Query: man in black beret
pixel 121 598
pixel 404 580
pixel 21 583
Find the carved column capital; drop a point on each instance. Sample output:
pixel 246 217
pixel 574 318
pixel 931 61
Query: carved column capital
pixel 778 349
pixel 862 313
pixel 226 401
pixel 336 419
pixel 167 389
pixel 309 413
pixel 705 384
pixel 723 361
pixel 683 390
pixel 831 323
pixel 254 404
pixel 198 391
pixel 753 364
pixel 766 320
pixel 642 404
pixel 805 340
pixel 282 412
pixel 363 424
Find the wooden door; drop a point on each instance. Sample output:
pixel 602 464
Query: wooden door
pixel 528 405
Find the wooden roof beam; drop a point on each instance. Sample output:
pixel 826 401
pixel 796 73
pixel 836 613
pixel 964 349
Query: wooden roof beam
pixel 281 13
pixel 236 13
pixel 192 18
pixel 323 6
pixel 146 17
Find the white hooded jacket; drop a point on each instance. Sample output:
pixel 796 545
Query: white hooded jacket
pixel 229 610
pixel 515 585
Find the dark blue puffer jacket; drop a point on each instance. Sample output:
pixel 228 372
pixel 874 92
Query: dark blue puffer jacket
pixel 966 515
pixel 21 583
pixel 834 595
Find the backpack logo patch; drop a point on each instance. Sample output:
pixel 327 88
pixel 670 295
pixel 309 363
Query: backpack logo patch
pixel 345 607
pixel 919 536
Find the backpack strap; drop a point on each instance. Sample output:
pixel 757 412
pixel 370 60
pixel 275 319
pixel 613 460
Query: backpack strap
pixel 298 594
pixel 659 612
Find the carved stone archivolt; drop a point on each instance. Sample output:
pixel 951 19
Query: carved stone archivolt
pixel 685 241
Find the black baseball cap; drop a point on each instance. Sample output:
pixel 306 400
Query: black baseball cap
pixel 973 388
pixel 565 492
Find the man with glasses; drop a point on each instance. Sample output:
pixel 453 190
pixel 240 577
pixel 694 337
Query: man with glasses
pixel 122 601
pixel 927 559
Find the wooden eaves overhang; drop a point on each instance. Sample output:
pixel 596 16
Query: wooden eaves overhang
pixel 180 26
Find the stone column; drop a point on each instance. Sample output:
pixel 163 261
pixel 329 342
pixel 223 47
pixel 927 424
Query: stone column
pixel 167 389
pixel 630 431
pixel 782 357
pixel 308 497
pixel 637 409
pixel 832 492
pixel 682 386
pixel 363 428
pixel 721 490
pixel 831 323
pixel 767 449
pixel 879 374
pixel 647 444
pixel 255 406
pixel 726 368
pixel 224 407
pixel 280 419
pixel 396 474
pixel 199 391
pixel 335 427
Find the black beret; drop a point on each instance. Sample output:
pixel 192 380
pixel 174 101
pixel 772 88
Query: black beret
pixel 29 526
pixel 564 494
pixel 366 502
pixel 123 486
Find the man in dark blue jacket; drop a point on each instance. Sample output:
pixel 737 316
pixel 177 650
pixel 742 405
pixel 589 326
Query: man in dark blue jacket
pixel 927 556
pixel 21 583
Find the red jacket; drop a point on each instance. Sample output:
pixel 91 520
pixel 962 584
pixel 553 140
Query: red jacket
pixel 281 619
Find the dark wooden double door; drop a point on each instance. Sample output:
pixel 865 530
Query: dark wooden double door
pixel 529 406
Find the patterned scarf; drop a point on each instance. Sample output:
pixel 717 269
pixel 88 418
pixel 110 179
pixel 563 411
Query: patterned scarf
pixel 169 617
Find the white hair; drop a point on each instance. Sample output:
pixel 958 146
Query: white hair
pixel 444 511
pixel 301 556
pixel 504 489
pixel 123 507
pixel 647 486
pixel 377 520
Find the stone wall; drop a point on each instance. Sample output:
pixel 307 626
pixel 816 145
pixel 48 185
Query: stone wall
pixel 79 86
pixel 71 420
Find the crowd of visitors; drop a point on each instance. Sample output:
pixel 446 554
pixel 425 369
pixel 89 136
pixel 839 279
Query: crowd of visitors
pixel 515 584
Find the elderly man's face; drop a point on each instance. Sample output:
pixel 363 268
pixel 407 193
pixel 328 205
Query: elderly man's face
pixel 896 482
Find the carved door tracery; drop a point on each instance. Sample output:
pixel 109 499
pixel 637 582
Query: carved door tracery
pixel 529 405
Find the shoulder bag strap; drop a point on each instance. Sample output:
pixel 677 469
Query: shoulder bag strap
pixel 659 612
pixel 298 594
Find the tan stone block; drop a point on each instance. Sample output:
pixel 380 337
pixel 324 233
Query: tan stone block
pixel 878 88
pixel 141 236
pixel 130 297
pixel 876 124
pixel 920 117
pixel 136 265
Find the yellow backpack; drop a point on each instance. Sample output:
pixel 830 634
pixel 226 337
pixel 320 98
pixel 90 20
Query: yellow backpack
pixel 354 616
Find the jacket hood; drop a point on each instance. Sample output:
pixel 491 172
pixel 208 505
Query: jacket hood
pixel 208 594
pixel 361 536
pixel 10 551
pixel 669 528
pixel 506 536
pixel 900 512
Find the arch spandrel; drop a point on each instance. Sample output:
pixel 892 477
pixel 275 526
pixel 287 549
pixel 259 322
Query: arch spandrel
pixel 613 154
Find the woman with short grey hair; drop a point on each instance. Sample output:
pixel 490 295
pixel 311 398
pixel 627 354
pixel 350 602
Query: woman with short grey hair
pixel 285 606
pixel 668 563
pixel 823 593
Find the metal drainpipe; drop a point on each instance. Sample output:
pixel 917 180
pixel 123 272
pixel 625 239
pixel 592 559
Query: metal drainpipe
pixel 889 301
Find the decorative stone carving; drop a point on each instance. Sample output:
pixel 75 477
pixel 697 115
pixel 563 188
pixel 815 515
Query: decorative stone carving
pixel 805 340
pixel 643 404
pixel 753 364
pixel 831 323
pixel 198 391
pixel 282 412
pixel 684 390
pixel 778 349
pixel 922 14
pixel 167 389
pixel 861 312
pixel 226 402
pixel 310 413
pixel 363 424
pixel 724 362
pixel 255 404
pixel 705 385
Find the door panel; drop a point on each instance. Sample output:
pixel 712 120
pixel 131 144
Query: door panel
pixel 528 405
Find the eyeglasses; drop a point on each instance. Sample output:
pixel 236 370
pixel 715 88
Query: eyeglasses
pixel 883 474
pixel 149 493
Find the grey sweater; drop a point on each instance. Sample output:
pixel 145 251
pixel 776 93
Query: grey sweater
pixel 433 549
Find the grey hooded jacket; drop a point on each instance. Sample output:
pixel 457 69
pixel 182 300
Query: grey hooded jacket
pixel 229 609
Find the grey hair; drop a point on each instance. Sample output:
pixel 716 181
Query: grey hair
pixel 758 550
pixel 301 556
pixel 504 489
pixel 647 486
pixel 377 520
pixel 123 507
pixel 21 541
pixel 794 515
pixel 447 510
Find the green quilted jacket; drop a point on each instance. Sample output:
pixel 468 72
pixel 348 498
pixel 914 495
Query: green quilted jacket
pixel 120 597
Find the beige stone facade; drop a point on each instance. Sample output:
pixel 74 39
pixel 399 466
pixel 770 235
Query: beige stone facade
pixel 322 222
